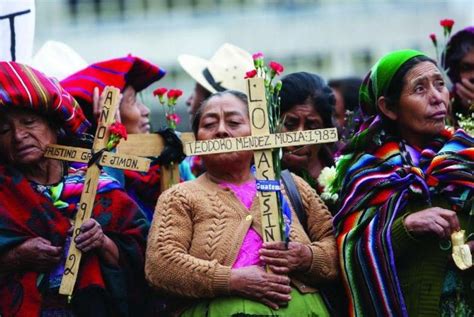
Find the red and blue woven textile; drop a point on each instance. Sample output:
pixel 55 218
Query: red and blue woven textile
pixel 118 72
pixel 25 87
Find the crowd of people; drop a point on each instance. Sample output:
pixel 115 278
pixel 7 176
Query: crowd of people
pixel 403 184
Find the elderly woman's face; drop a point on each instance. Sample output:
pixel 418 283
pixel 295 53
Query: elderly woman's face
pixel 299 118
pixel 423 103
pixel 133 113
pixel 24 136
pixel 224 116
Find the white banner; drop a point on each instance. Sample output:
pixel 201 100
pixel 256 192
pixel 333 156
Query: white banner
pixel 17 30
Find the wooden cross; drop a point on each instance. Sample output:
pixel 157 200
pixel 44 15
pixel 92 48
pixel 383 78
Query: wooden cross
pixel 89 191
pixel 261 142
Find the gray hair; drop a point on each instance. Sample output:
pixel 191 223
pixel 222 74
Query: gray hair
pixel 197 116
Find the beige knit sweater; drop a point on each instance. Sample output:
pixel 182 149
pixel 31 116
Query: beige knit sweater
pixel 198 228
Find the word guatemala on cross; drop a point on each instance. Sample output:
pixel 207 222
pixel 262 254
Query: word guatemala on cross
pixel 86 202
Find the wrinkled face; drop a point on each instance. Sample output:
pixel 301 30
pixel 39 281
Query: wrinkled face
pixel 466 66
pixel 24 136
pixel 224 116
pixel 299 118
pixel 423 104
pixel 133 113
pixel 197 97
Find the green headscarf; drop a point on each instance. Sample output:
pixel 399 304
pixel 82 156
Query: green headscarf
pixel 379 78
pixel 375 84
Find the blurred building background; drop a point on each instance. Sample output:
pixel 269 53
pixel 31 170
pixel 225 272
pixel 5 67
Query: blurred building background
pixel 334 38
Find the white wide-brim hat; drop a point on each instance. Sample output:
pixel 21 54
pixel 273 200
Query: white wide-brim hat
pixel 224 71
pixel 57 59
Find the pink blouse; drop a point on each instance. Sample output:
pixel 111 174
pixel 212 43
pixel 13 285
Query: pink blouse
pixel 248 253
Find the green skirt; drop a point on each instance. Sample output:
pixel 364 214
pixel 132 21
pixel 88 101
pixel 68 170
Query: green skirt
pixel 304 305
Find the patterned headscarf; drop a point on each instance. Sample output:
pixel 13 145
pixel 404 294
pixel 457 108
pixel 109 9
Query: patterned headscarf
pixel 25 87
pixel 118 72
pixel 379 78
pixel 376 84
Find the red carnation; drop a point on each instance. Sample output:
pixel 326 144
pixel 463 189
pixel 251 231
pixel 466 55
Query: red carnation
pixel 251 74
pixel 258 60
pixel 174 93
pixel 276 68
pixel 159 92
pixel 258 55
pixel 178 93
pixel 174 116
pixel 447 24
pixel 119 130
pixel 433 39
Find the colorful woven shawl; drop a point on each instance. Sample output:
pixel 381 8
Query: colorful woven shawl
pixel 144 188
pixel 25 87
pixel 375 191
pixel 25 214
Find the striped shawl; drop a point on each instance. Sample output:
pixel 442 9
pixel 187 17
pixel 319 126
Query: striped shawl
pixel 375 192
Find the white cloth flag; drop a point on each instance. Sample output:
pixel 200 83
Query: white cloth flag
pixel 17 30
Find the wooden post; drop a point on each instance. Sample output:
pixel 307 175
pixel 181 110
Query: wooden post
pixel 169 176
pixel 259 125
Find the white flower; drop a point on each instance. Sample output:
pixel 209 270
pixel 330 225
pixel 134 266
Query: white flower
pixel 325 179
pixel 329 197
pixel 327 176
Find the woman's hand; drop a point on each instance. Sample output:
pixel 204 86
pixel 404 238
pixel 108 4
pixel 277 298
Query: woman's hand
pixel 465 91
pixel 97 102
pixel 297 257
pixel 93 238
pixel 36 254
pixel 254 283
pixel 439 221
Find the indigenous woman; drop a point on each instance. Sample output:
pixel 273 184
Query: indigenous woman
pixel 206 242
pixel 307 103
pixel 131 75
pixel 459 62
pixel 38 200
pixel 405 185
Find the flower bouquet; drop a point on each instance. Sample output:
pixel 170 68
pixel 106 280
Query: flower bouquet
pixel 440 48
pixel 167 99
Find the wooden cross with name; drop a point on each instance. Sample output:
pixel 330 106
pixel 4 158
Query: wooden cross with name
pixel 261 142
pixel 94 158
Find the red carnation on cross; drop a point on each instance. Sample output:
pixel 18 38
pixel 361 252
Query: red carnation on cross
pixel 258 55
pixel 117 132
pixel 118 129
pixel 258 59
pixel 277 68
pixel 251 74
